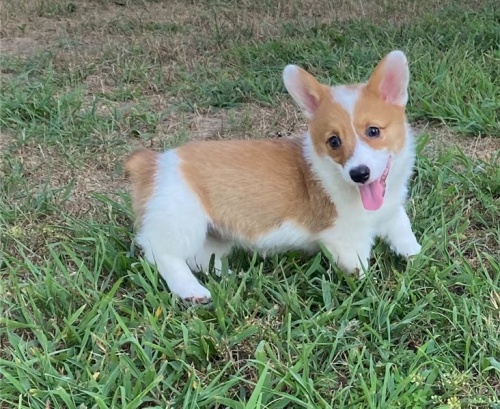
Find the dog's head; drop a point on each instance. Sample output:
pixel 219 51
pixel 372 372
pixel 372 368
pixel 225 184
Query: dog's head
pixel 359 127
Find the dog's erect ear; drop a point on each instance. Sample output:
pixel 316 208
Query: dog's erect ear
pixel 390 79
pixel 304 88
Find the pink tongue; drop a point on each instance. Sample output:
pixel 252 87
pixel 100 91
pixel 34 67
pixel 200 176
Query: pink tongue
pixel 372 195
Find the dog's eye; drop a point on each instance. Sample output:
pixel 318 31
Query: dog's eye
pixel 334 142
pixel 373 132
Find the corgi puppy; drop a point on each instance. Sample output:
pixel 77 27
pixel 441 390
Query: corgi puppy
pixel 341 185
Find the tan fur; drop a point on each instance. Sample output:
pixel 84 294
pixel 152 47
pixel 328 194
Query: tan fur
pixel 141 168
pixel 371 110
pixel 250 188
pixel 331 119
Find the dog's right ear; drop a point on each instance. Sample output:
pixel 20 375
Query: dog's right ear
pixel 304 89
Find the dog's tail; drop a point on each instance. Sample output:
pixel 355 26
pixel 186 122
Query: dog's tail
pixel 141 168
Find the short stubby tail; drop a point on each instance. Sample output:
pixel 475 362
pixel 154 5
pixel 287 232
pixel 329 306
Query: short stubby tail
pixel 141 168
pixel 139 162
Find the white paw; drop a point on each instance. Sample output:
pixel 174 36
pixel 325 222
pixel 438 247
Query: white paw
pixel 203 268
pixel 353 265
pixel 195 266
pixel 193 292
pixel 407 248
pixel 218 271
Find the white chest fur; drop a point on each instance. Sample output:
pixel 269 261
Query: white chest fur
pixel 351 238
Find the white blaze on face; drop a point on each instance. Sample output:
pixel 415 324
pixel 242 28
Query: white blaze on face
pixel 377 161
pixel 346 97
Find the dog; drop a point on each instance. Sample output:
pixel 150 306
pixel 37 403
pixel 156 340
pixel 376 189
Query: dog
pixel 340 186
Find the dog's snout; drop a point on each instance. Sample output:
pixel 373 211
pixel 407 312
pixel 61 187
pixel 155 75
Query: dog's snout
pixel 360 174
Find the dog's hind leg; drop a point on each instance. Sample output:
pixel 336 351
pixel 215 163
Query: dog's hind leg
pixel 213 246
pixel 174 227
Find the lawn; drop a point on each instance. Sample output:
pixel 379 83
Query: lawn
pixel 87 323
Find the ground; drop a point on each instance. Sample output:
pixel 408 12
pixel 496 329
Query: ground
pixel 87 323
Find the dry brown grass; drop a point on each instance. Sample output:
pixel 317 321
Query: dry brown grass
pixel 443 139
pixel 87 27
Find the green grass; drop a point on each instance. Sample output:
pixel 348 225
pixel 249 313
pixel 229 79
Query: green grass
pixel 86 323
pixel 455 60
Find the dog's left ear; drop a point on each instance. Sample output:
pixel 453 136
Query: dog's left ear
pixel 390 79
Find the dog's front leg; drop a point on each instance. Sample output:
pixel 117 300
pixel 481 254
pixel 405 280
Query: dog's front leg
pixel 351 254
pixel 399 235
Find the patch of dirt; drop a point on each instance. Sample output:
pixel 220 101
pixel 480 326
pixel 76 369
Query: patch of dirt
pixel 96 84
pixel 19 46
pixel 247 122
pixel 49 167
pixel 442 139
pixel 5 140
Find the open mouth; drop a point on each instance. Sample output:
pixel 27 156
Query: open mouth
pixel 372 194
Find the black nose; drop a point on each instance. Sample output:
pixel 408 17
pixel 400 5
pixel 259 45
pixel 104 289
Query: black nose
pixel 360 174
